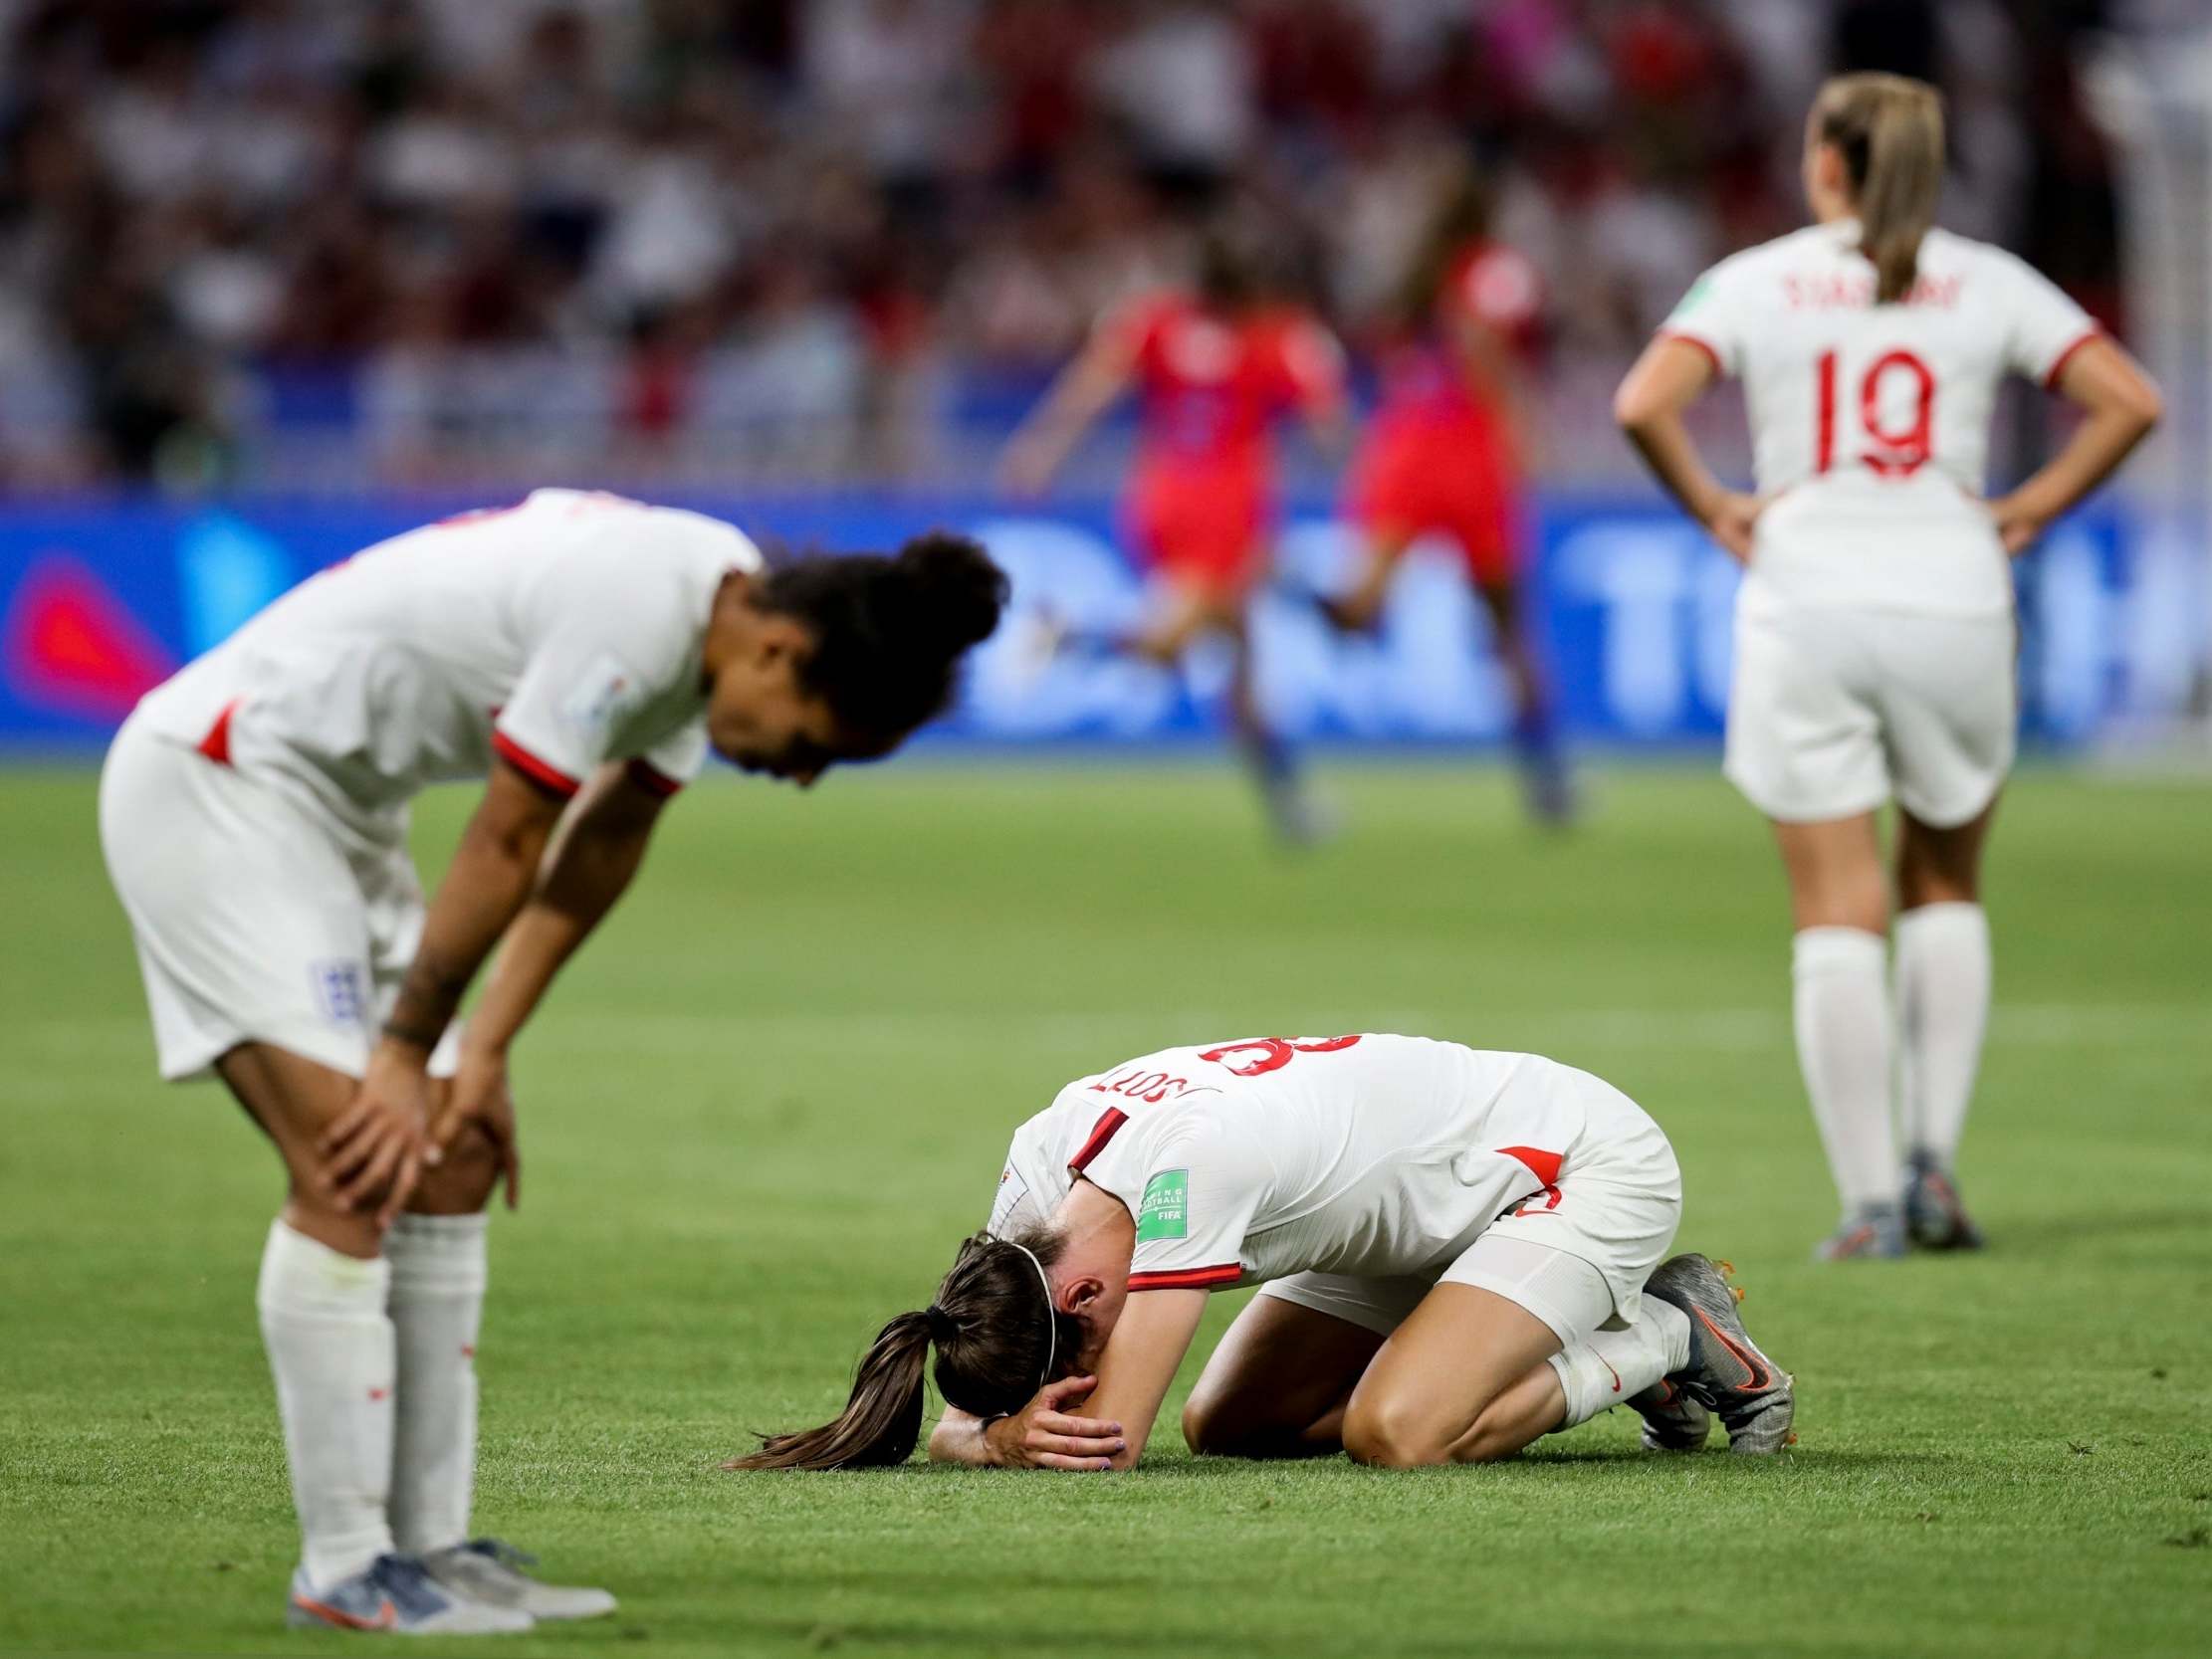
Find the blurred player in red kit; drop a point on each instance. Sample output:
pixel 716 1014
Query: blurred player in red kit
pixel 1449 448
pixel 1215 368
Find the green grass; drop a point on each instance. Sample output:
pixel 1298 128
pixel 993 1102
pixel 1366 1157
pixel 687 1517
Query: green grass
pixel 765 1103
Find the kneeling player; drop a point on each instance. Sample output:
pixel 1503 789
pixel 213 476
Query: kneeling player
pixel 584 651
pixel 1457 1248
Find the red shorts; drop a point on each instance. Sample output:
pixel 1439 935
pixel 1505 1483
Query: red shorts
pixel 1208 527
pixel 1427 475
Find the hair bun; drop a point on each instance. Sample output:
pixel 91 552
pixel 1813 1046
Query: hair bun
pixel 956 591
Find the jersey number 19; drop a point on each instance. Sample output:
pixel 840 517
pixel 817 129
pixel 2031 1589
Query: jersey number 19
pixel 1897 450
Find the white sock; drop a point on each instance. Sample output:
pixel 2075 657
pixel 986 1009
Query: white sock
pixel 437 1305
pixel 1843 1048
pixel 1942 1010
pixel 1611 1367
pixel 330 1348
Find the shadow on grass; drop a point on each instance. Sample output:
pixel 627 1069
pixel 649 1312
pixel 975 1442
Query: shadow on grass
pixel 2040 1234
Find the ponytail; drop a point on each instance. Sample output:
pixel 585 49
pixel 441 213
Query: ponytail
pixel 1888 128
pixel 889 630
pixel 881 1420
pixel 998 1339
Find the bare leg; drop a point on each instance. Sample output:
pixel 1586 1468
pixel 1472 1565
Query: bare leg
pixel 1359 608
pixel 1278 1385
pixel 1942 866
pixel 1835 873
pixel 1535 726
pixel 1453 1384
pixel 295 1099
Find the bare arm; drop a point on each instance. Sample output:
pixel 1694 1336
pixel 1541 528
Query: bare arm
pixel 1041 1435
pixel 1085 389
pixel 1488 368
pixel 595 852
pixel 1667 380
pixel 599 846
pixel 2121 405
pixel 379 1143
pixel 1149 1343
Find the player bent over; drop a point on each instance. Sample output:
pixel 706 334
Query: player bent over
pixel 1455 1251
pixel 584 651
pixel 1875 646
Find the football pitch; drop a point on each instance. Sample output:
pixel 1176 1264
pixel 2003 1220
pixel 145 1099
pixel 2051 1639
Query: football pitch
pixel 764 1105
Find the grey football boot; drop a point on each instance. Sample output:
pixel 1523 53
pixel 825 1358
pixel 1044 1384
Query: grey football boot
pixel 1753 1398
pixel 1874 1232
pixel 1674 1420
pixel 1934 1213
pixel 396 1593
pixel 488 1571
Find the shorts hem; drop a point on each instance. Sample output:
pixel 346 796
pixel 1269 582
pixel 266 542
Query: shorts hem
pixel 1377 1319
pixel 1953 820
pixel 351 1059
pixel 1559 1323
pixel 1797 812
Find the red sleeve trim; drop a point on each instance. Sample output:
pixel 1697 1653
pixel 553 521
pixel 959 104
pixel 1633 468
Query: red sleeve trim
pixel 1189 1278
pixel 1101 1133
pixel 1711 355
pixel 2057 366
pixel 652 779
pixel 545 776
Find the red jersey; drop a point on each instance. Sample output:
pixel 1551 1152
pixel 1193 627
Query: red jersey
pixel 1487 283
pixel 1211 387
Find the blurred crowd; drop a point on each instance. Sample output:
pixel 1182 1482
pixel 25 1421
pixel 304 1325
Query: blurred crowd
pixel 311 241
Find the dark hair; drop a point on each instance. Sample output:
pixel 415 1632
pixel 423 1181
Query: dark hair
pixel 1461 215
pixel 1888 128
pixel 994 1346
pixel 1231 273
pixel 889 630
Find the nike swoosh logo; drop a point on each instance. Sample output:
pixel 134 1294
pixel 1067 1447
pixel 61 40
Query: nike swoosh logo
pixel 1756 1377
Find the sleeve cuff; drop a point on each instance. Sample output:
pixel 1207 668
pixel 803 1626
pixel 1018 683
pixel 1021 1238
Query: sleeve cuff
pixel 1707 346
pixel 652 779
pixel 1189 1278
pixel 2058 363
pixel 540 773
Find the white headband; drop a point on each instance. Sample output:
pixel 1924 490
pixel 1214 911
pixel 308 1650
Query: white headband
pixel 1051 1314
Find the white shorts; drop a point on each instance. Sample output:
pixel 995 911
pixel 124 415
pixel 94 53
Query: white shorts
pixel 1834 711
pixel 257 917
pixel 1576 1255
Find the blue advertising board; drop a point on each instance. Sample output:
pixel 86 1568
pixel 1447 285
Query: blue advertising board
pixel 99 601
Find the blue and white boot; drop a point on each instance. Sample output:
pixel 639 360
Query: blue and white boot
pixel 1874 1232
pixel 396 1593
pixel 487 1571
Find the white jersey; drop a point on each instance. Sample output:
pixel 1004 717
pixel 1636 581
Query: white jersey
pixel 1363 1156
pixel 1870 424
pixel 560 634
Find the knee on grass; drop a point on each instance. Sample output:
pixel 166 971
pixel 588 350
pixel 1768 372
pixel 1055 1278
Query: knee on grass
pixel 1234 1425
pixel 1394 1434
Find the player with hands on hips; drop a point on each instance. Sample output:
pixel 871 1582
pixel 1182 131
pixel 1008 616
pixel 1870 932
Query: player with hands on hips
pixel 582 654
pixel 1875 637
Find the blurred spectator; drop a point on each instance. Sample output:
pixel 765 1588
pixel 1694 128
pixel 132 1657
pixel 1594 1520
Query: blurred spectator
pixel 717 239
